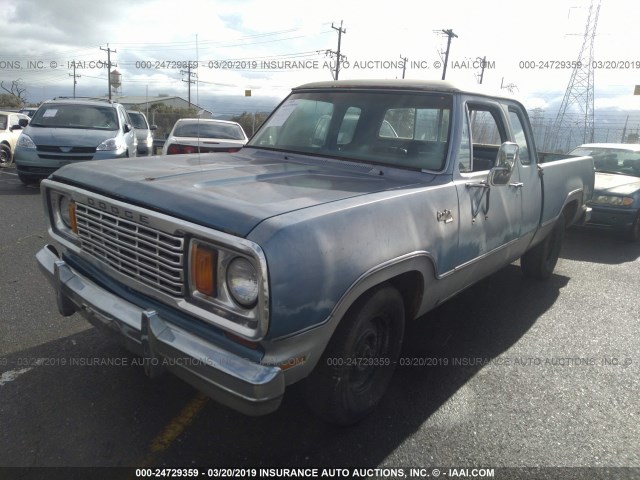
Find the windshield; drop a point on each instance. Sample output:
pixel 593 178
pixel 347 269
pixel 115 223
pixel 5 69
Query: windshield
pixel 76 116
pixel 612 160
pixel 407 130
pixel 138 120
pixel 203 129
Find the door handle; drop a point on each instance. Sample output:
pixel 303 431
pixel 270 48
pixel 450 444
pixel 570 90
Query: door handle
pixel 516 184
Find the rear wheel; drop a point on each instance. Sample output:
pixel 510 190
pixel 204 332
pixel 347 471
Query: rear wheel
pixel 540 261
pixel 356 368
pixel 6 159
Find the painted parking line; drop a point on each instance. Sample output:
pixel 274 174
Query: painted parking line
pixel 174 429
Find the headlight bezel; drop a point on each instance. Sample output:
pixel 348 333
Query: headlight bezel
pixel 61 205
pixel 248 318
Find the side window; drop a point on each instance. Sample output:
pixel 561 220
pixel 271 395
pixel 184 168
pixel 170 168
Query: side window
pixel 487 134
pixel 464 152
pixel 427 124
pixel 520 136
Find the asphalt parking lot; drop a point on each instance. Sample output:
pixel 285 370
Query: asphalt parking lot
pixel 511 373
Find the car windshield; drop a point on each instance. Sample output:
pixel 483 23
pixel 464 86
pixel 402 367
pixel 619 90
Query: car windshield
pixel 612 160
pixel 76 116
pixel 138 120
pixel 408 130
pixel 204 129
pixel 3 122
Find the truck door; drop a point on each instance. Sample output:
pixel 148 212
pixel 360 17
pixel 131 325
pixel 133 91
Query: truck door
pixel 490 216
pixel 529 180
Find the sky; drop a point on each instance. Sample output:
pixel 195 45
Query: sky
pixel 243 45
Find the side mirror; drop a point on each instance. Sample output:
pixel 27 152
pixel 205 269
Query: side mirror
pixel 23 122
pixel 126 128
pixel 500 174
pixel 153 127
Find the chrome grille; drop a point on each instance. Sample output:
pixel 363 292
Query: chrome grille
pixel 145 254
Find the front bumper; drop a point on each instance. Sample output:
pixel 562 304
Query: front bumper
pixel 612 218
pixel 236 382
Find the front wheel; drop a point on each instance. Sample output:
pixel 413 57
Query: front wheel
pixel 6 159
pixel 540 261
pixel 27 179
pixel 633 235
pixel 357 365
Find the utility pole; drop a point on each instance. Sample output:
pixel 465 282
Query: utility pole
pixel 108 50
pixel 449 33
pixel 578 101
pixel 510 86
pixel 624 131
pixel 74 79
pixel 484 63
pixel 188 80
pixel 404 64
pixel 338 54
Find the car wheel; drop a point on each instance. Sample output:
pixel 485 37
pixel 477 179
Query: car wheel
pixel 540 261
pixel 6 159
pixel 27 179
pixel 357 365
pixel 634 234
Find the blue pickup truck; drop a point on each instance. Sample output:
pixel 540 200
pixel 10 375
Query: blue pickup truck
pixel 356 208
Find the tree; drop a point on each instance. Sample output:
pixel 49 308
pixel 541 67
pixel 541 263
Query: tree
pixel 16 91
pixel 250 121
pixel 165 117
pixel 9 101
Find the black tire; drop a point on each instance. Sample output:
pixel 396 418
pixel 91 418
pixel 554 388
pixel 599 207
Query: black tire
pixel 540 261
pixel 633 235
pixel 357 365
pixel 6 159
pixel 27 179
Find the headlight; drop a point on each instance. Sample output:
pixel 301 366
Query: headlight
pixel 242 282
pixel 613 200
pixel 112 144
pixel 24 141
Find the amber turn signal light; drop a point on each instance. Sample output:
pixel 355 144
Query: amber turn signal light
pixel 203 263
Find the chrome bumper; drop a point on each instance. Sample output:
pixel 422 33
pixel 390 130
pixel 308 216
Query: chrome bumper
pixel 236 382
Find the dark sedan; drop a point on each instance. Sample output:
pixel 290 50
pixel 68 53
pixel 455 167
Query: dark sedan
pixel 616 195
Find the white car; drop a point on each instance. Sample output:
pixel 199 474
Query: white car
pixel 10 130
pixel 194 135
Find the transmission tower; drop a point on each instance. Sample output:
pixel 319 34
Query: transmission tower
pixel 578 97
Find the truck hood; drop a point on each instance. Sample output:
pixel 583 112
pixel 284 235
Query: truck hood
pixel 228 192
pixel 69 137
pixel 613 183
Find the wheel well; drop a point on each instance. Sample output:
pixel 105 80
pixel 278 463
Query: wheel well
pixel 411 288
